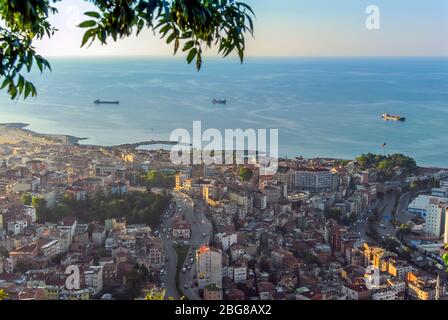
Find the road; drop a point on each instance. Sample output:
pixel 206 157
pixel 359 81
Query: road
pixel 195 214
pixel 384 206
pixel 169 278
pixel 200 225
pixel 361 225
pixel 386 227
pixel 402 211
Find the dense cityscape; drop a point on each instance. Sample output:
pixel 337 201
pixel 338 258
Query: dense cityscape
pixel 136 226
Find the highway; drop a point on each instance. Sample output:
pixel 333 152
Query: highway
pixel 200 225
pixel 169 277
pixel 386 228
pixel 402 211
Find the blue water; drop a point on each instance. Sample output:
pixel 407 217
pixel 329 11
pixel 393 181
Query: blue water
pixel 322 107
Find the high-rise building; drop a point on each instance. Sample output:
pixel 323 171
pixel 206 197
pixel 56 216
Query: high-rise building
pixel 435 217
pixel 445 238
pixel 209 267
pixel 316 180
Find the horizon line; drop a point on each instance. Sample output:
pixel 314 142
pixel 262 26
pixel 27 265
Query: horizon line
pixel 216 57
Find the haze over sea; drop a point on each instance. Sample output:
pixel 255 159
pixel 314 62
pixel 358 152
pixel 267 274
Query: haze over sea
pixel 326 107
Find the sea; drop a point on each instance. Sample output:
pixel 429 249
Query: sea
pixel 322 107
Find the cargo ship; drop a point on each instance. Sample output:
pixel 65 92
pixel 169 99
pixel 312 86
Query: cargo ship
pixel 387 116
pixel 98 101
pixel 219 101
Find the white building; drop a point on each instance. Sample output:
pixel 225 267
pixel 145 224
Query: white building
pixel 385 294
pixel 240 274
pixel 93 278
pixel 445 238
pixel 316 180
pixel 17 226
pixel 31 212
pixel 51 249
pixel 419 205
pixel 209 267
pixel 226 240
pixel 435 217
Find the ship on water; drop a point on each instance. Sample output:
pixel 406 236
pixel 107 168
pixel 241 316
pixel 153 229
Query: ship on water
pixel 219 101
pixel 98 101
pixel 387 116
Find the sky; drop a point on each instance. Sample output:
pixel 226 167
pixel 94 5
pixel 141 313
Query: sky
pixel 290 28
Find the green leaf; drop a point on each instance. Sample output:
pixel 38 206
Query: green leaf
pixel 171 38
pixel 39 63
pixel 5 83
pixel 86 37
pixel 20 83
pixel 92 14
pixel 191 55
pixel 29 89
pixel 188 45
pixel 87 24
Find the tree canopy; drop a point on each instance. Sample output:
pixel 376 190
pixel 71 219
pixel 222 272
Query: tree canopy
pixel 189 25
pixel 245 174
pixel 386 163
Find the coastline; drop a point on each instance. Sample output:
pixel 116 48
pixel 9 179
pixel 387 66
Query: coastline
pixel 12 132
pixel 11 129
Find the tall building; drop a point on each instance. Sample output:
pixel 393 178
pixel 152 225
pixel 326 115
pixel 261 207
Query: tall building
pixel 209 267
pixel 445 238
pixel 316 180
pixel 435 217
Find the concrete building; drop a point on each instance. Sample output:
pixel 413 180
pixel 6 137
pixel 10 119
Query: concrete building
pixel 226 240
pixel 209 267
pixel 93 278
pixel 435 217
pixel 316 180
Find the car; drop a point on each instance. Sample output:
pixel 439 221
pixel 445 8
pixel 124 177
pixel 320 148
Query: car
pixel 186 286
pixel 167 237
pixel 185 242
pixel 162 271
pixel 162 285
pixel 204 234
pixel 184 270
pixel 189 267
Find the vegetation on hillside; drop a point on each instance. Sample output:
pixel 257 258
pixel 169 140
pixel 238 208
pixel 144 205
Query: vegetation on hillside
pixel 136 207
pixel 386 163
pixel 342 219
pixel 160 179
